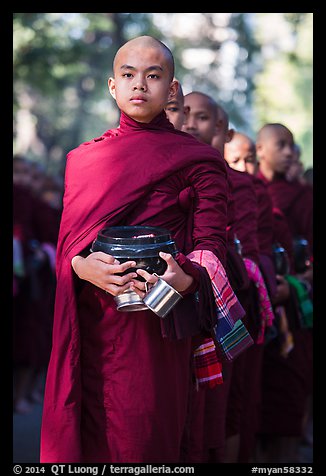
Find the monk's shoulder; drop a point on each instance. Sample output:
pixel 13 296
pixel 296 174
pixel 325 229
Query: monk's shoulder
pixel 93 143
pixel 189 146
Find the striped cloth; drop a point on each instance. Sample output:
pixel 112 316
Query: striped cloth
pixel 265 306
pixel 208 370
pixel 229 309
pixel 230 334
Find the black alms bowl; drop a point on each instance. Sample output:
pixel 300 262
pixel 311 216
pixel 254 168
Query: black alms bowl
pixel 301 255
pixel 141 244
pixel 281 260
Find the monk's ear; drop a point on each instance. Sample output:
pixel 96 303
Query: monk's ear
pixel 229 135
pixel 111 86
pixel 173 89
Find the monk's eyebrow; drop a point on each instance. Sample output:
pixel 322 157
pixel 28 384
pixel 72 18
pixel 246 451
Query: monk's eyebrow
pixel 154 67
pixel 127 66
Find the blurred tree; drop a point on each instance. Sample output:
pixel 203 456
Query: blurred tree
pixel 62 62
pixel 284 86
pixel 215 53
pixel 61 65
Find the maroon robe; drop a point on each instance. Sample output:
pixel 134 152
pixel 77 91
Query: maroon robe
pixel 288 381
pixel 265 217
pixel 295 200
pixel 252 367
pixel 209 418
pixel 246 213
pixel 244 392
pixel 116 390
pixel 282 235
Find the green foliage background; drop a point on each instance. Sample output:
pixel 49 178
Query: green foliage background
pixel 259 67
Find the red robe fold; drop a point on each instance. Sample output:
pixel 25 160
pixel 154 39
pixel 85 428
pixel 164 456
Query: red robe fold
pixel 208 423
pixel 295 200
pixel 287 381
pixel 116 390
pixel 264 217
pixel 245 221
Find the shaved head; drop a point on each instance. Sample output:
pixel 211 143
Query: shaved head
pixel 143 78
pixel 274 147
pixel 240 153
pixel 270 129
pixel 240 138
pixel 208 101
pixel 201 121
pixel 223 117
pixel 140 43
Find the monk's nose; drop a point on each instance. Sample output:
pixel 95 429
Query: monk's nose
pixel 190 123
pixel 140 86
pixel 242 166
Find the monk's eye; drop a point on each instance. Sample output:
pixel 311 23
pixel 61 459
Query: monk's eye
pixel 153 76
pixel 281 144
pixel 127 75
pixel 203 117
pixel 172 109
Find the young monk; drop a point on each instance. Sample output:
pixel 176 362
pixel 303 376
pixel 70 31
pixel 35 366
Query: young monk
pixel 208 415
pixel 240 154
pixel 288 381
pixel 275 149
pixel 175 109
pixel 118 382
pixel 244 398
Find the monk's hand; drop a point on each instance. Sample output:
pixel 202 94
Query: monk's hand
pixel 101 269
pixel 174 275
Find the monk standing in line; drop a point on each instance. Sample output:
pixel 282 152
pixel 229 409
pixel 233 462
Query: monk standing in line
pixel 288 383
pixel 118 382
pixel 256 243
pixel 176 110
pixel 207 442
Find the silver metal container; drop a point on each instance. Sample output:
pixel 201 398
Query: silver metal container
pixel 161 298
pixel 129 301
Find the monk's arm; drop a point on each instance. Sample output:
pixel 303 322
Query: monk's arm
pixel 209 182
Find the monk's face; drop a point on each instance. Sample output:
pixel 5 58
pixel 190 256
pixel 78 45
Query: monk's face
pixel 275 149
pixel 296 169
pixel 201 121
pixel 176 111
pixel 142 82
pixel 240 154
